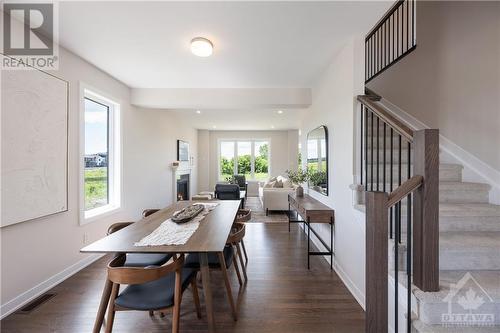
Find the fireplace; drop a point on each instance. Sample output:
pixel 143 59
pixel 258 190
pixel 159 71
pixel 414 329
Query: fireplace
pixel 183 187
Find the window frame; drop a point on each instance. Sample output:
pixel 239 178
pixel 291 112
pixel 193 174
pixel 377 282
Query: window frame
pixel 114 155
pixel 252 156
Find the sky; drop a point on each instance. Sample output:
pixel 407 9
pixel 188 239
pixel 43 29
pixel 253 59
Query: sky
pixel 96 119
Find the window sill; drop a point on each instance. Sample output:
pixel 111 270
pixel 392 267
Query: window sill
pixel 98 213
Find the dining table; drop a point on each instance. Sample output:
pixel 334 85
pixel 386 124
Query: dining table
pixel 210 237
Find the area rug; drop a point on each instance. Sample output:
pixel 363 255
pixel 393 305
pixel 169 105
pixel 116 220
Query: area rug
pixel 259 215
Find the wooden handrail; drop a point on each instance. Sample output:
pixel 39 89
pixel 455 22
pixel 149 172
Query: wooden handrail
pixel 404 189
pixel 392 121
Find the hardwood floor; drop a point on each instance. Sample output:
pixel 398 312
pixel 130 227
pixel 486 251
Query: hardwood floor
pixel 281 296
pixel 259 215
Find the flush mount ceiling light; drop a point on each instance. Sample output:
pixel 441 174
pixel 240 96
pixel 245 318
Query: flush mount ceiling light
pixel 280 111
pixel 201 47
pixel 198 111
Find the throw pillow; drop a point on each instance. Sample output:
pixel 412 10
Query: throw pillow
pixel 269 184
pixel 278 184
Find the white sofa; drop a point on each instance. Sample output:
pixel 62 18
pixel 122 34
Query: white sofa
pixel 275 198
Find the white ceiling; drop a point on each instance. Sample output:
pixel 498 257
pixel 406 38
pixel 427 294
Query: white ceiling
pixel 257 44
pixel 238 119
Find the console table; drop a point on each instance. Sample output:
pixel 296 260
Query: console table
pixel 308 210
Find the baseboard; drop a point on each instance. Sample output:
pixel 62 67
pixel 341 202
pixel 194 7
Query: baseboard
pixel 475 170
pixel 353 289
pixel 26 297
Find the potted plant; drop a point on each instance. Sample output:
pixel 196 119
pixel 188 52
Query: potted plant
pixel 318 180
pixel 298 177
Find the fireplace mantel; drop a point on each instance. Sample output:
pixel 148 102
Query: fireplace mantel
pixel 177 172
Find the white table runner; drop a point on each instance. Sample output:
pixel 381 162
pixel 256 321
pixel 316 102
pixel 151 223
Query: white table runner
pixel 171 233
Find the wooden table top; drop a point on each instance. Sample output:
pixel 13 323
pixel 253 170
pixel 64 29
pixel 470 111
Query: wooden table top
pixel 211 235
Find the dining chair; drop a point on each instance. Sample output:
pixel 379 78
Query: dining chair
pixel 236 239
pixel 244 215
pixel 139 259
pixel 223 260
pixel 242 182
pixel 149 211
pixel 227 192
pixel 153 288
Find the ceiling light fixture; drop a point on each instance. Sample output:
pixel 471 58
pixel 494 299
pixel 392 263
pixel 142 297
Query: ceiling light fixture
pixel 201 47
pixel 280 111
pixel 198 111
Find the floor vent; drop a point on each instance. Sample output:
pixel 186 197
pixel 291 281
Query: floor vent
pixel 34 304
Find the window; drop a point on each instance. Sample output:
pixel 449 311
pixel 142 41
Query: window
pixel 101 158
pixel 245 157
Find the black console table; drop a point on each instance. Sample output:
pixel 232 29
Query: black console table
pixel 308 210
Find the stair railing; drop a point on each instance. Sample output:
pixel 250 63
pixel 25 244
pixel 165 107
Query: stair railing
pixel 389 187
pixel 391 39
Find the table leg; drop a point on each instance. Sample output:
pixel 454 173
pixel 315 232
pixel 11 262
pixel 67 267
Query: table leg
pixel 102 306
pixel 308 243
pixel 205 275
pixel 331 245
pixel 289 212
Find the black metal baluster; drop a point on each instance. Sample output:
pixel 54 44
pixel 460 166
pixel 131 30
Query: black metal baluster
pixel 413 23
pixel 407 25
pixel 371 153
pixel 384 165
pixel 393 39
pixel 361 143
pixel 391 213
pixel 408 245
pixel 396 271
pixel 366 148
pixel 378 150
pixel 366 61
pixel 399 184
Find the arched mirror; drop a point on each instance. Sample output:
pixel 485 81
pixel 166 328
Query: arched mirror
pixel 317 159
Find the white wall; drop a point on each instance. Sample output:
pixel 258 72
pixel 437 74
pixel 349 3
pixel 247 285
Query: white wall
pixel 334 106
pixel 283 151
pixel 452 79
pixel 37 253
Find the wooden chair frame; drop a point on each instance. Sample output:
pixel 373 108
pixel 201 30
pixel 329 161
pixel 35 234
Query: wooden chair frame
pixel 118 274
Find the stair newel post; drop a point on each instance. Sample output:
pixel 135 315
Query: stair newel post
pixel 426 211
pixel 376 262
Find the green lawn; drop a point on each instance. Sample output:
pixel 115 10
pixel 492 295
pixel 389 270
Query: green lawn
pixel 96 187
pixel 261 176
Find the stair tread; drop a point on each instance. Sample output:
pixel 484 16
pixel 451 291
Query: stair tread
pixel 477 239
pixel 450 185
pixel 468 209
pixel 488 280
pixel 443 185
pixel 460 209
pixel 421 327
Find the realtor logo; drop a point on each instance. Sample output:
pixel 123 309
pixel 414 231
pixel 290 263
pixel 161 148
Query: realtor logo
pixel 468 304
pixel 29 35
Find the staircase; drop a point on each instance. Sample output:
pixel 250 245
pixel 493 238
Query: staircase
pixel 469 244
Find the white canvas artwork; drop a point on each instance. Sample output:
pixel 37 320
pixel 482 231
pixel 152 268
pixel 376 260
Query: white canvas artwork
pixel 34 142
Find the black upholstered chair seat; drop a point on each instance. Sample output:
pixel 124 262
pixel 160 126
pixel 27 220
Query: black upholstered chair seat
pixel 155 295
pixel 193 260
pixel 146 259
pixel 227 191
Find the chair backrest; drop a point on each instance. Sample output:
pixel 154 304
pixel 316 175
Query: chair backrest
pixel 237 233
pixel 240 179
pixel 117 273
pixel 117 226
pixel 149 211
pixel 227 191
